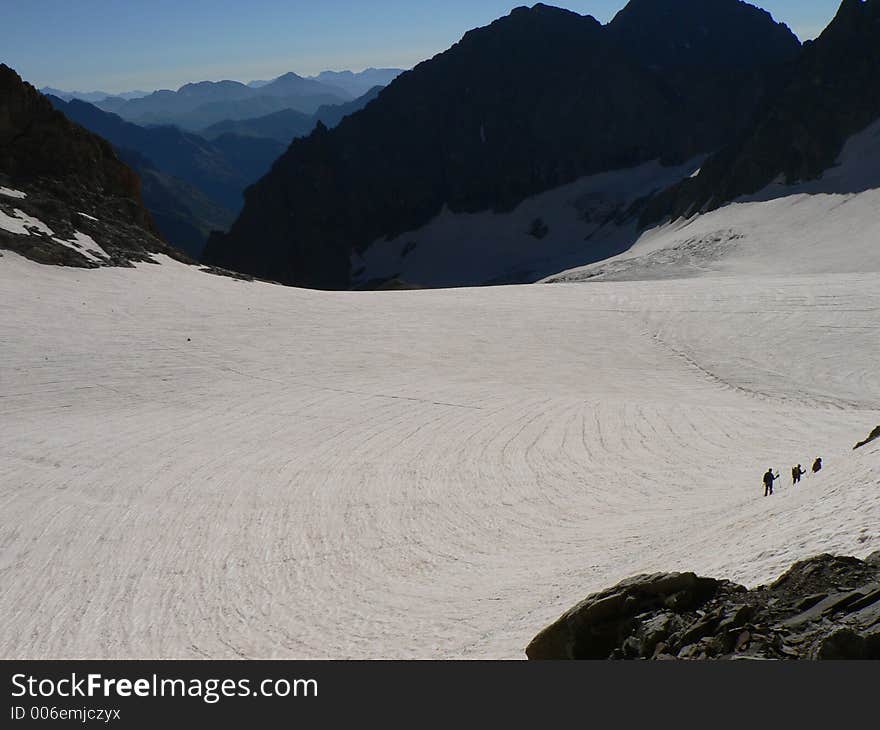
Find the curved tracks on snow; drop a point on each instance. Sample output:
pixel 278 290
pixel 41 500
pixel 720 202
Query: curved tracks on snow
pixel 425 474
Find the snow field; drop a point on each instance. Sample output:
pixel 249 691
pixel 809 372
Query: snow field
pixel 410 474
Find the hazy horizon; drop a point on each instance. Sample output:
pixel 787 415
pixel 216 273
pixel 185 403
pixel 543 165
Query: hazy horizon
pixel 163 44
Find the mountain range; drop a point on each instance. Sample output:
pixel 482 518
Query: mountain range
pixel 482 128
pixel 195 106
pixel 191 185
pixel 287 124
pixel 91 96
pixel 194 184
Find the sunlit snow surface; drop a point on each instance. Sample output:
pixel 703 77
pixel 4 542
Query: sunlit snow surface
pixel 23 224
pixel 193 466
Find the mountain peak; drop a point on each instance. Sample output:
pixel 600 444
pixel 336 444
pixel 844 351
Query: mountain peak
pixel 721 33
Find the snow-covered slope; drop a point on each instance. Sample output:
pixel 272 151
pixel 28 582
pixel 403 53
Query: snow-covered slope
pixel 193 466
pixel 585 220
pixel 829 224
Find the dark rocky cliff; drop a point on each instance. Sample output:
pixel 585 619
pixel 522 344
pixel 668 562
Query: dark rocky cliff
pixel 72 182
pixel 831 94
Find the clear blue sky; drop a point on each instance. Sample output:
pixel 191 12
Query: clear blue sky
pixel 119 45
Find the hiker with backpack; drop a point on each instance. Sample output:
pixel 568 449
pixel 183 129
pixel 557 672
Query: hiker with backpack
pixel 796 473
pixel 769 478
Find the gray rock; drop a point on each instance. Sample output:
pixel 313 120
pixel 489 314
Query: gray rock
pixel 827 607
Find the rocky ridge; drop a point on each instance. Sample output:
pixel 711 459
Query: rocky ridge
pixel 827 607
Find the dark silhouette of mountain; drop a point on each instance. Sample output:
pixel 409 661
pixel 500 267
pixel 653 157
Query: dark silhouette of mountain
pixel 535 100
pixel 281 126
pixel 183 214
pixel 332 114
pixel 71 181
pixel 358 84
pixel 198 105
pixel 288 124
pixel 207 178
pixel 830 94
pixel 665 34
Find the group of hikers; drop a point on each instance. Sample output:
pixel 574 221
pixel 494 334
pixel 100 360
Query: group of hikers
pixel 796 473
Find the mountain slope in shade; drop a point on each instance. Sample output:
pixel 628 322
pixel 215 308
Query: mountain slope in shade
pixel 829 224
pixel 282 126
pixel 191 185
pixel 65 197
pixel 183 154
pixel 481 127
pixel 667 34
pixel 831 94
pixel 184 215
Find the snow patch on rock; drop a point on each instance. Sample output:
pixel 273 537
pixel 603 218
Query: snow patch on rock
pixel 23 224
pixel 10 193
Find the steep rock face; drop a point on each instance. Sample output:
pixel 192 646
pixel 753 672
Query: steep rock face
pixel 533 101
pixel 66 197
pixel 827 607
pixel 831 94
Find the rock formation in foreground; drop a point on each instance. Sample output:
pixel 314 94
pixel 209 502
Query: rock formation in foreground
pixel 826 607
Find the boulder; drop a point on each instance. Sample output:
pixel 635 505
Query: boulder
pixel 827 607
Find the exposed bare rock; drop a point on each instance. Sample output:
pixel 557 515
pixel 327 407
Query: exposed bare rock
pixel 69 200
pixel 824 608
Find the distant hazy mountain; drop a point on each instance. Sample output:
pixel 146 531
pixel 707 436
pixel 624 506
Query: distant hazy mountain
pixel 206 178
pixel 198 105
pixel 91 96
pixel 282 126
pixel 534 101
pixel 358 84
pixel 288 124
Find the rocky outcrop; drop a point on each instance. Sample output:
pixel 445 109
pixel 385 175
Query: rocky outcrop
pixel 73 202
pixel 536 100
pixel 824 608
pixel 873 436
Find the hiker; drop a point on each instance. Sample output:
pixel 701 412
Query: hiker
pixel 817 465
pixel 769 478
pixel 796 473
